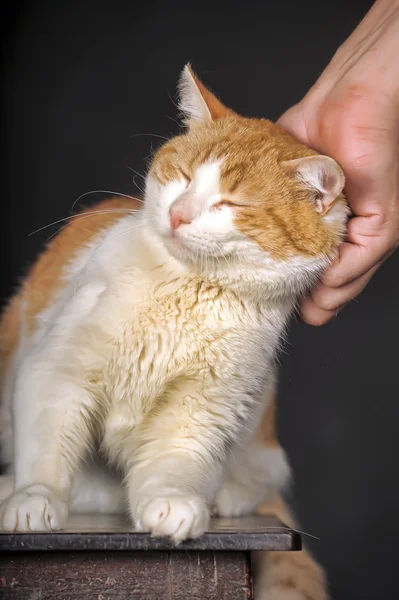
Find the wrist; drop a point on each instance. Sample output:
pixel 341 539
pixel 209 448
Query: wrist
pixel 370 55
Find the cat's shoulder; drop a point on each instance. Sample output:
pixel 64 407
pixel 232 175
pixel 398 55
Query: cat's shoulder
pixel 63 256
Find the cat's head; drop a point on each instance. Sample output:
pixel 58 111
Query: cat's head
pixel 240 194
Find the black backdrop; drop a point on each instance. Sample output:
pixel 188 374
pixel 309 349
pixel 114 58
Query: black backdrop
pixel 81 78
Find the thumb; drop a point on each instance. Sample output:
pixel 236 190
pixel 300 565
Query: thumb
pixel 294 123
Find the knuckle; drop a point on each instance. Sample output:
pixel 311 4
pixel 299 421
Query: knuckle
pixel 326 300
pixel 328 304
pixel 333 279
pixel 313 314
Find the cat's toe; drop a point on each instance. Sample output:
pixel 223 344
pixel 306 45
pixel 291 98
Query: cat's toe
pixel 178 517
pixel 36 508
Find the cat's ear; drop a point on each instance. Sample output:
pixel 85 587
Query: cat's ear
pixel 196 102
pixel 322 175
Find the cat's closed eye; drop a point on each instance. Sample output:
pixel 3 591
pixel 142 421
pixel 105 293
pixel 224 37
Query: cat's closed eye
pixel 225 202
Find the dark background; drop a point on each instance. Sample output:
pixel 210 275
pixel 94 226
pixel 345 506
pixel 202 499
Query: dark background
pixel 81 78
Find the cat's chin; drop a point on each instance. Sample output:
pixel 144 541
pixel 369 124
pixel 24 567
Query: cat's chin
pixel 193 255
pixel 191 258
pixel 178 255
pixel 177 242
pixel 179 250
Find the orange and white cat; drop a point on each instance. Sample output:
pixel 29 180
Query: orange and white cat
pixel 146 335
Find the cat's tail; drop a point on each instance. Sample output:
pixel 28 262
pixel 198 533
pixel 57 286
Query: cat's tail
pixel 286 575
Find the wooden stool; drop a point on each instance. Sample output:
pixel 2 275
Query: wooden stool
pixel 102 558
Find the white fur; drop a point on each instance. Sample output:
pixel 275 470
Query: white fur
pixel 160 352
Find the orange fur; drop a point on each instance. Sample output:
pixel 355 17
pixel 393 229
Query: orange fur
pixel 267 431
pixel 272 206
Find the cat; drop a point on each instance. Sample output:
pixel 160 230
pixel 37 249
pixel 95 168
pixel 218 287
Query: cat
pixel 145 336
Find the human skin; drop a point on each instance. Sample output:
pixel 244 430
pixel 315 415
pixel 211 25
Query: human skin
pixel 352 114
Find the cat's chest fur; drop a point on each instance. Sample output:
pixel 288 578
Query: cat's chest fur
pixel 159 332
pixel 130 323
pixel 169 329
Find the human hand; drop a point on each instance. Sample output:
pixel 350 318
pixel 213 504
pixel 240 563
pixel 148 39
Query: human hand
pixel 352 115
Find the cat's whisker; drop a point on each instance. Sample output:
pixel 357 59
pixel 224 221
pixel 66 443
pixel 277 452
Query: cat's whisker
pixel 240 259
pixel 283 528
pixel 223 254
pixel 148 159
pixel 137 173
pixel 130 230
pixel 174 121
pixel 162 137
pixel 57 232
pixel 217 260
pixel 140 189
pixel 86 215
pixel 104 192
pixel 174 103
pixel 150 155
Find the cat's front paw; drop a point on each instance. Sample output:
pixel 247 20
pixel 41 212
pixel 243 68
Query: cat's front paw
pixel 234 499
pixel 35 508
pixel 177 517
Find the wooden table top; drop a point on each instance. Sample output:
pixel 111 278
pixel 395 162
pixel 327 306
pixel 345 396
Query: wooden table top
pixel 114 533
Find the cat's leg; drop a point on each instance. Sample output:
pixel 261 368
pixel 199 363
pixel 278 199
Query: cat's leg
pixel 257 465
pixel 95 490
pixel 52 430
pixel 253 473
pixel 173 475
pixel 286 575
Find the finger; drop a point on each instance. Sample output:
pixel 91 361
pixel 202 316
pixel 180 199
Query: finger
pixel 356 260
pixel 331 298
pixel 324 303
pixel 314 315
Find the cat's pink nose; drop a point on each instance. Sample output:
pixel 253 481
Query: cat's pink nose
pixel 184 210
pixel 178 217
